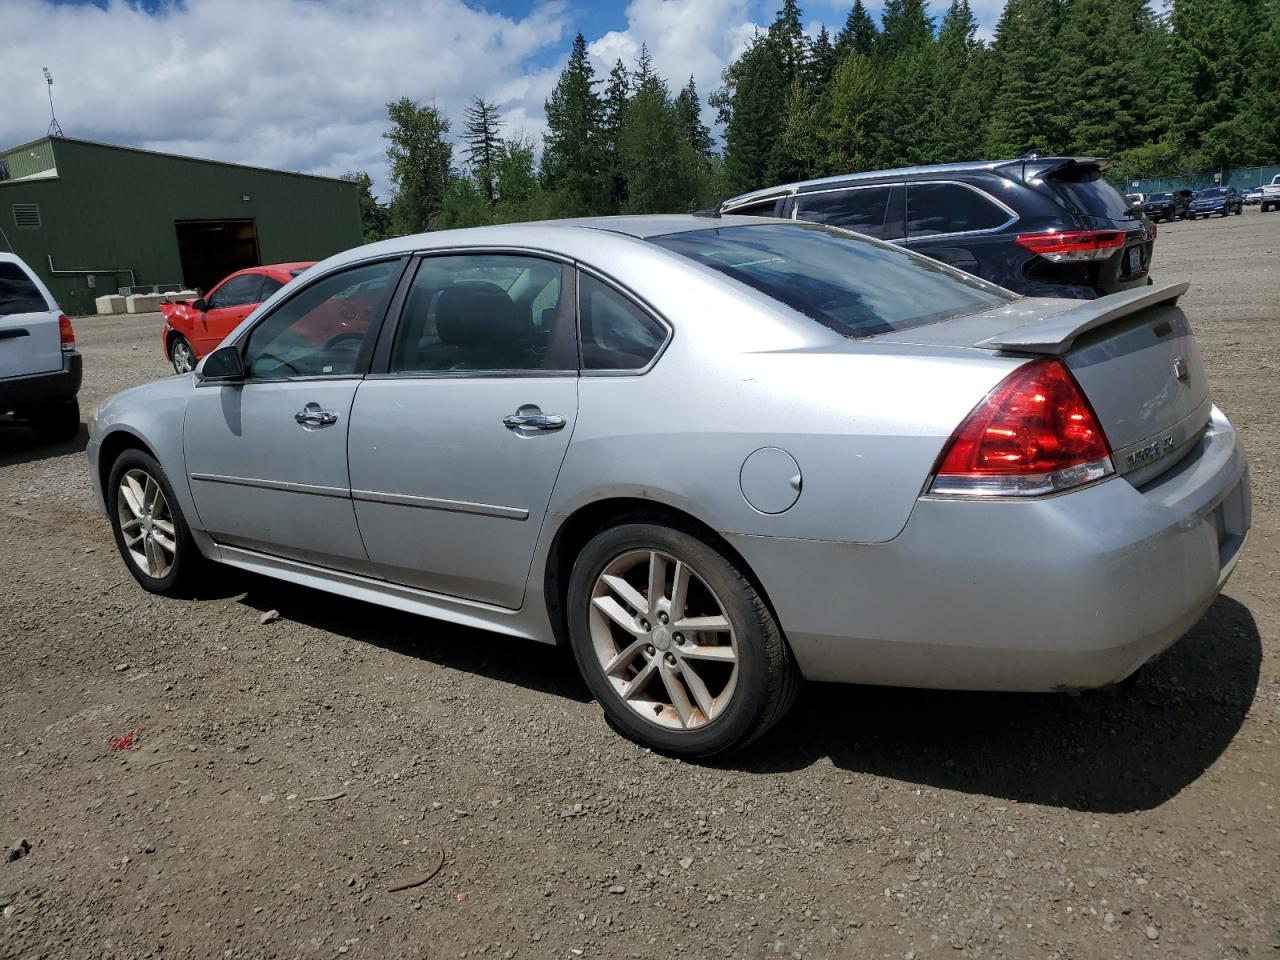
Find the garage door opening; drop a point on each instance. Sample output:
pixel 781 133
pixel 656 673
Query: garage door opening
pixel 211 249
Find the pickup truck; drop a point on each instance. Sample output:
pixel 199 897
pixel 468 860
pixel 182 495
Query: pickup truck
pixel 1270 195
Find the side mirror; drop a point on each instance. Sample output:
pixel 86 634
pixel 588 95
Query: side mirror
pixel 200 304
pixel 223 364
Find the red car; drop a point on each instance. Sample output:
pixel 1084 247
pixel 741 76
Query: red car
pixel 192 328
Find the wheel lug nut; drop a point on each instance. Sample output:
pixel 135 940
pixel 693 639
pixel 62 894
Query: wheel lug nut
pixel 671 659
pixel 679 638
pixel 649 650
pixel 662 617
pixel 644 625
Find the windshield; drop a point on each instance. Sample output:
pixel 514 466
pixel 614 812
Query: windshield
pixel 1160 196
pixel 17 293
pixel 1209 194
pixel 851 284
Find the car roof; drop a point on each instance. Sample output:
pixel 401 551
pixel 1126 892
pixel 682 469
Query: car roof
pixel 280 271
pixel 898 173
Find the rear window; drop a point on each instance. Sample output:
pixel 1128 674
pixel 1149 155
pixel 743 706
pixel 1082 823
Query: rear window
pixel 1081 189
pixel 17 293
pixel 855 286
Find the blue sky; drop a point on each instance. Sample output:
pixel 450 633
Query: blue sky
pixel 303 84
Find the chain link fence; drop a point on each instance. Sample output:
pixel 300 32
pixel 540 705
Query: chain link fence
pixel 1244 178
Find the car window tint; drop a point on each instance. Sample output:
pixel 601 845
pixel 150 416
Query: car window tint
pixel 269 286
pixel 485 312
pixel 237 291
pixel 320 329
pixel 934 208
pixel 17 293
pixel 765 208
pixel 616 333
pixel 865 209
pixel 855 286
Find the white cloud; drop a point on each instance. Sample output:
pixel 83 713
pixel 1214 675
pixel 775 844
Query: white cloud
pixel 282 83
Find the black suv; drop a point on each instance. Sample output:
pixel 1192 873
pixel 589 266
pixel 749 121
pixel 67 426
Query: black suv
pixel 1041 226
pixel 1168 206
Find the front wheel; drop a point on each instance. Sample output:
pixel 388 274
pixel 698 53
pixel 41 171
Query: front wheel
pixel 675 642
pixel 150 530
pixel 181 355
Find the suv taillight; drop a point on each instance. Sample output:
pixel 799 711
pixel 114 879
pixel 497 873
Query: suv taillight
pixel 1073 245
pixel 65 333
pixel 1035 433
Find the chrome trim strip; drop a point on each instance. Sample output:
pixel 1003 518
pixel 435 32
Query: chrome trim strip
pixel 281 485
pixel 436 503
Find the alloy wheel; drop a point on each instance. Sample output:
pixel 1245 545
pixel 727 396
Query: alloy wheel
pixel 183 360
pixel 663 639
pixel 146 523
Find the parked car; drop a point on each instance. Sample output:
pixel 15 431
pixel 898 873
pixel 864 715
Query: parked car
pixel 1136 200
pixel 1039 226
pixel 714 456
pixel 1270 199
pixel 1168 206
pixel 1253 197
pixel 40 369
pixel 194 327
pixel 1223 201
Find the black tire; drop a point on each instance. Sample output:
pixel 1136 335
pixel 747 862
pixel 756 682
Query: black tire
pixel 182 574
pixel 768 678
pixel 180 347
pixel 58 423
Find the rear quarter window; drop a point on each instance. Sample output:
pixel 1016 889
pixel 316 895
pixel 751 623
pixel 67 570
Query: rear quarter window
pixel 937 208
pixel 17 293
pixel 850 284
pixel 864 209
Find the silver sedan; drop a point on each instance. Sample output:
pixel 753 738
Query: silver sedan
pixel 714 456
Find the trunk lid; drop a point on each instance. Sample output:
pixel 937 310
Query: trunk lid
pixel 1132 353
pixel 29 339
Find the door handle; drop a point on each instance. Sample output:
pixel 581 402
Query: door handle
pixel 534 421
pixel 312 416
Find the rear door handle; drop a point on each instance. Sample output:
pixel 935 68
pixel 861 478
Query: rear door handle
pixel 13 333
pixel 534 421
pixel 312 416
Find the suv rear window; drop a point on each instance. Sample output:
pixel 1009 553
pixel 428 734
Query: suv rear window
pixel 17 293
pixel 1081 189
pixel 855 286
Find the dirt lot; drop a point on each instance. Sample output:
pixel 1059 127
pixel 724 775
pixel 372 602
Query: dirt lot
pixel 872 823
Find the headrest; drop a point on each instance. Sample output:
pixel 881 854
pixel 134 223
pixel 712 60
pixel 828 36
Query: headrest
pixel 477 313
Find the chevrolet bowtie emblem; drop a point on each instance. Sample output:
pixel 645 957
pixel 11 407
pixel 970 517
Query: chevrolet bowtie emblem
pixel 1181 370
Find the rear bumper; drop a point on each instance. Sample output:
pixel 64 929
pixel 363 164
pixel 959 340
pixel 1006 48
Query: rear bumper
pixel 1065 592
pixel 20 394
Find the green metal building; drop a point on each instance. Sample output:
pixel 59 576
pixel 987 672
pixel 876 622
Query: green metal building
pixel 91 218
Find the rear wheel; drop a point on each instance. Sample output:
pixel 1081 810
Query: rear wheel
pixel 58 423
pixel 150 531
pixel 181 355
pixel 675 642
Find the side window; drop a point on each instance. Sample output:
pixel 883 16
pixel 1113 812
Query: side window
pixel 864 209
pixel 616 333
pixel 237 291
pixel 765 208
pixel 934 208
pixel 318 332
pixel 491 312
pixel 269 286
pixel 17 293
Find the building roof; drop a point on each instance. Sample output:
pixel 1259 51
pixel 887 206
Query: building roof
pixel 168 156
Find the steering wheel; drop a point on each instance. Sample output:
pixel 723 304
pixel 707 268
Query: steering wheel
pixel 282 361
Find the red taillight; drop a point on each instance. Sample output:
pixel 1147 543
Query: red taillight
pixel 1035 433
pixel 65 333
pixel 1064 246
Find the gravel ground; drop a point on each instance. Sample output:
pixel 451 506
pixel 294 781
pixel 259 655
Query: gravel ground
pixel 286 775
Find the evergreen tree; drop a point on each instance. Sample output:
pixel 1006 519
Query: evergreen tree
pixel 657 160
pixel 798 153
pixel 375 218
pixel 904 26
pixel 483 144
pixel 859 34
pixel 748 105
pixel 787 35
pixel 643 73
pixel 850 127
pixel 1027 105
pixel 689 117
pixel 822 60
pixel 421 164
pixel 617 94
pixel 573 158
pixel 959 78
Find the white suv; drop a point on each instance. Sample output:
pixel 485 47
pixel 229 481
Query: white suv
pixel 39 367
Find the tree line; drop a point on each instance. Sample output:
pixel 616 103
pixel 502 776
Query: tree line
pixel 1193 88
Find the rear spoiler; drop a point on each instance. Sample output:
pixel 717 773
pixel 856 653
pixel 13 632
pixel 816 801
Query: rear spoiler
pixel 1055 334
pixel 1038 168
